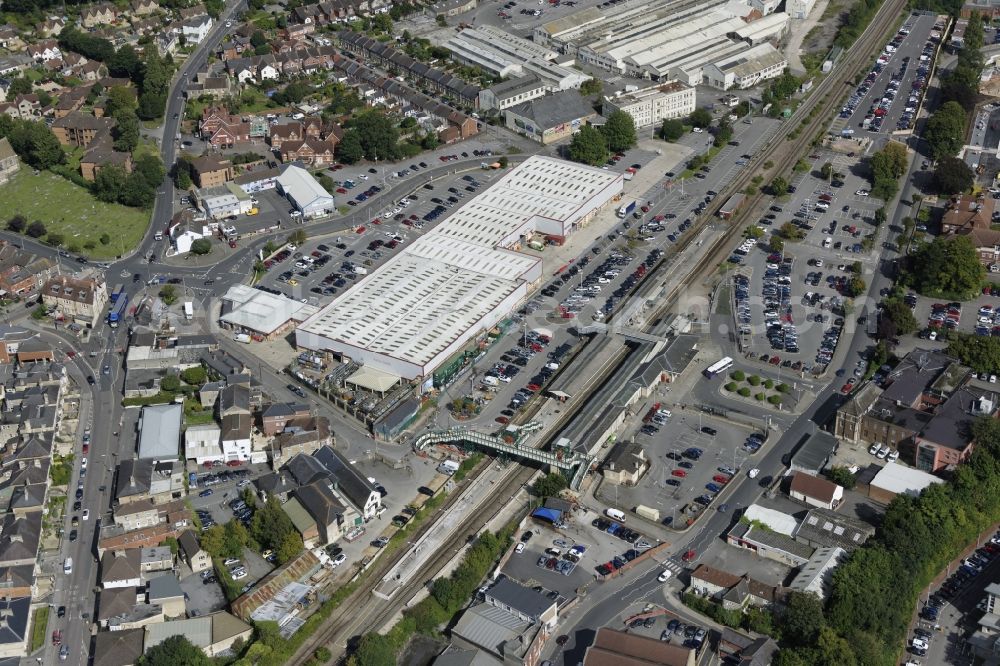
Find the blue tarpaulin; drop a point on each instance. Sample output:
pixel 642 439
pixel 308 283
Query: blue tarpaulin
pixel 551 515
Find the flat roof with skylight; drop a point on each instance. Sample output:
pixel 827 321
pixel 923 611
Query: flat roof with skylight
pixel 421 306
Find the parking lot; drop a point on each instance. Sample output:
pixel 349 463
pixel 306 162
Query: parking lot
pixel 890 94
pixel 789 305
pixel 325 267
pixel 688 467
pixel 953 610
pixel 562 560
pixel 980 316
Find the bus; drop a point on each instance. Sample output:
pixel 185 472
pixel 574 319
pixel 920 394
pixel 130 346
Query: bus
pixel 718 368
pixel 119 290
pixel 118 312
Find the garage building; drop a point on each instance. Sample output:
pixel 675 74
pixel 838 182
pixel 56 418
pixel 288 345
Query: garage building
pixel 224 205
pixel 304 192
pixel 425 304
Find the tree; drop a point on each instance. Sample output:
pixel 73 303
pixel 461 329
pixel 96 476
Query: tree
pixel 271 524
pixel 723 133
pixel 298 237
pixel 887 166
pixel 258 39
pixel 17 224
pixel 36 229
pixel 373 648
pixel 789 231
pixel 214 8
pixel 290 546
pixel 826 171
pixel 109 185
pixel 125 63
pixel 776 243
pixel 591 87
pixel 880 216
pixel 945 130
pixel 118 99
pixel 672 129
pixel 126 131
pixel 378 135
pixel 349 150
pixel 588 146
pixel 176 649
pixel 779 187
pixel 953 176
pixel 168 294
pixel 182 173
pixel 170 383
pixel 982 354
pixel 949 265
pixel 549 485
pixel 856 286
pixel 700 118
pixel 901 317
pixel 137 193
pixel 19 86
pixel 841 476
pixel 619 131
pixel 150 169
pixel 802 618
pixel 35 143
pixel 201 246
pixel 195 376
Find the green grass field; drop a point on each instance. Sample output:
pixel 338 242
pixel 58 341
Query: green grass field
pixel 68 209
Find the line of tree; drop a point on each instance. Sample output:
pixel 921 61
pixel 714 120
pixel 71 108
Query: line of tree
pixel 961 84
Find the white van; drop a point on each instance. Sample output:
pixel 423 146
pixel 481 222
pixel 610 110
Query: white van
pixel 68 566
pixel 490 381
pixel 615 514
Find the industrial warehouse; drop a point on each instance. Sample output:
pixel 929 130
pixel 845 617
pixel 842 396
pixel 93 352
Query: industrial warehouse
pixel 458 281
pixel 673 41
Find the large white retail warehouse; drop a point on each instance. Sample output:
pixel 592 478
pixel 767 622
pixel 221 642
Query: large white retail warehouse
pixel 458 281
pixel 667 39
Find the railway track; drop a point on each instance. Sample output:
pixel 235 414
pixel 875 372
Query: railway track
pixel 362 611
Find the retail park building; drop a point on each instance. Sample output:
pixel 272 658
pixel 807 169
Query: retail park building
pixel 451 286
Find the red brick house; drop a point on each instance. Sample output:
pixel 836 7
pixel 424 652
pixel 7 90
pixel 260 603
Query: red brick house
pixel 313 152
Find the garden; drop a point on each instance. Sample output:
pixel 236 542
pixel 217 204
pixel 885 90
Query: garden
pixel 753 387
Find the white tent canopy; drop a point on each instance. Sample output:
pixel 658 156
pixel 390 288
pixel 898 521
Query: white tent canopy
pixel 373 379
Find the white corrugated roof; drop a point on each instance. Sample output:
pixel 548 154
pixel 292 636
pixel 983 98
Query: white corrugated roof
pixel 903 480
pixel 160 432
pixel 777 521
pixel 301 186
pixel 263 312
pixel 439 288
